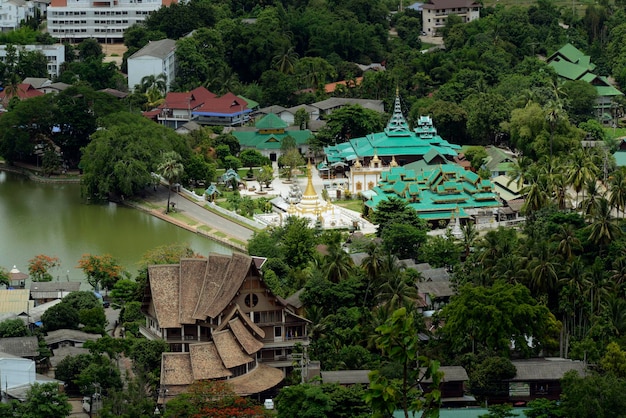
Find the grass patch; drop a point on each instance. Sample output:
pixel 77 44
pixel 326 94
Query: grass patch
pixel 352 204
pixel 205 228
pixel 427 45
pixel 180 217
pixel 613 133
pixel 220 234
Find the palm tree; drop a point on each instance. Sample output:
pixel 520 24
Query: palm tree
pixel 469 237
pixel 568 242
pixel 615 311
pixel 554 113
pixel 372 266
pixel 337 264
pixel 580 169
pixel 286 60
pixel 603 229
pixel 170 169
pixel 520 171
pixel 617 190
pixel 536 195
pixel 589 204
pixel 543 272
pixel 151 81
pixel 397 292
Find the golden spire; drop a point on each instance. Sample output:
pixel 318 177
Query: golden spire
pixel 393 162
pixel 357 164
pixel 310 190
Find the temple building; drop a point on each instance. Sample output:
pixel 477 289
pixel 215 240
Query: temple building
pixel 312 207
pixel 396 143
pixel 268 134
pixel 446 192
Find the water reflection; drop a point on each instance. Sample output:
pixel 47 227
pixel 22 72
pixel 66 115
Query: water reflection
pixel 38 218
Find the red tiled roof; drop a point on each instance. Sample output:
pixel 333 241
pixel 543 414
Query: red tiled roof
pixel 331 87
pixel 24 91
pixel 227 104
pixel 187 100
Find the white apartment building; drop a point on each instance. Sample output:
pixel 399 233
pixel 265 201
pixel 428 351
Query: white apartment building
pixel 156 58
pixel 12 13
pixel 435 13
pixel 105 20
pixel 55 55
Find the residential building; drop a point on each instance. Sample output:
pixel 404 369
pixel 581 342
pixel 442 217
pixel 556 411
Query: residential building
pixel 13 12
pixel 155 59
pixel 435 13
pixel 499 162
pixel 43 292
pixel 105 20
pixel 25 347
pixel 17 375
pixel 61 338
pixel 23 91
pixel 572 64
pixel 326 107
pixel 200 106
pixel 220 321
pixel 268 134
pixel 55 55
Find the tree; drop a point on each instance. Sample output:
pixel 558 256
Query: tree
pixel 352 121
pixel 403 240
pixel 82 300
pixel 304 401
pixel 13 328
pixel 60 316
pixel 592 396
pixel 209 398
pixel 102 271
pixel 120 159
pixel 301 119
pixel 399 344
pixel 94 320
pixel 543 408
pixel 265 176
pixel 291 159
pixel 488 378
pixel 124 290
pixel 499 411
pixel 603 229
pixel 39 266
pixel 395 211
pixel 45 400
pixel 252 158
pixel 170 169
pixel 492 317
pixel 614 361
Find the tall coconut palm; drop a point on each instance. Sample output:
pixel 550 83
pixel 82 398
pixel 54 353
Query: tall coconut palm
pixel 372 266
pixel 286 60
pixel 337 264
pixel 151 81
pixel 520 171
pixel 542 271
pixel 170 169
pixel 593 194
pixel 580 169
pixel 567 241
pixel 469 237
pixel 554 114
pixel 603 229
pixel 614 309
pixel 398 292
pixel 617 190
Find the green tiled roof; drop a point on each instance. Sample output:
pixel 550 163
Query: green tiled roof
pixel 440 192
pixel 270 121
pixel 568 70
pixel 608 91
pixel 396 140
pixel 620 158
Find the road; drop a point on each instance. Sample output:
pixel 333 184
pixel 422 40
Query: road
pixel 196 212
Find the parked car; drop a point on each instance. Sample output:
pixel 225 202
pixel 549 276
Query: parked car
pixel 106 304
pixel 268 404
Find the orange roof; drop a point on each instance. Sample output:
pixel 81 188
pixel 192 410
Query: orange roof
pixel 331 87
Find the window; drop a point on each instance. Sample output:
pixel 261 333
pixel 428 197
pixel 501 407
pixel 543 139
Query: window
pixel 251 300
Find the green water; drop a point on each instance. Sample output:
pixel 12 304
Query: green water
pixel 39 218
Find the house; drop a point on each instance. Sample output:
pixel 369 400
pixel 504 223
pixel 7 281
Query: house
pixel 347 84
pixel 453 387
pixel 12 13
pixel 18 374
pixel 22 92
pixel 42 292
pixel 155 59
pixel 55 55
pixel 105 20
pixel 326 107
pixel 25 347
pixel 499 162
pixel 268 135
pixel 68 338
pixel 572 64
pixel 15 301
pixel 435 13
pixel 540 378
pixel 220 321
pixel 200 106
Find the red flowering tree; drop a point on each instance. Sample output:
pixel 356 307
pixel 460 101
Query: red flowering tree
pixel 39 267
pixel 102 271
pixel 214 399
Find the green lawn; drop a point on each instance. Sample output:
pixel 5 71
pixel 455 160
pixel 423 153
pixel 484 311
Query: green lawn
pixel 615 133
pixel 353 204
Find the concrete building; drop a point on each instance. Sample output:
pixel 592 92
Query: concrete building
pixel 55 54
pixel 435 13
pixel 157 58
pixel 105 20
pixel 12 12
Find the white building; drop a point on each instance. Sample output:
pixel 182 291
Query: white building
pixel 435 13
pixel 105 20
pixel 55 55
pixel 13 12
pixel 156 58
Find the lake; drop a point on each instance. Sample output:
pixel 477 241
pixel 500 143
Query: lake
pixel 51 219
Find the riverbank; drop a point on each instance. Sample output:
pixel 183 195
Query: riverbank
pixel 213 226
